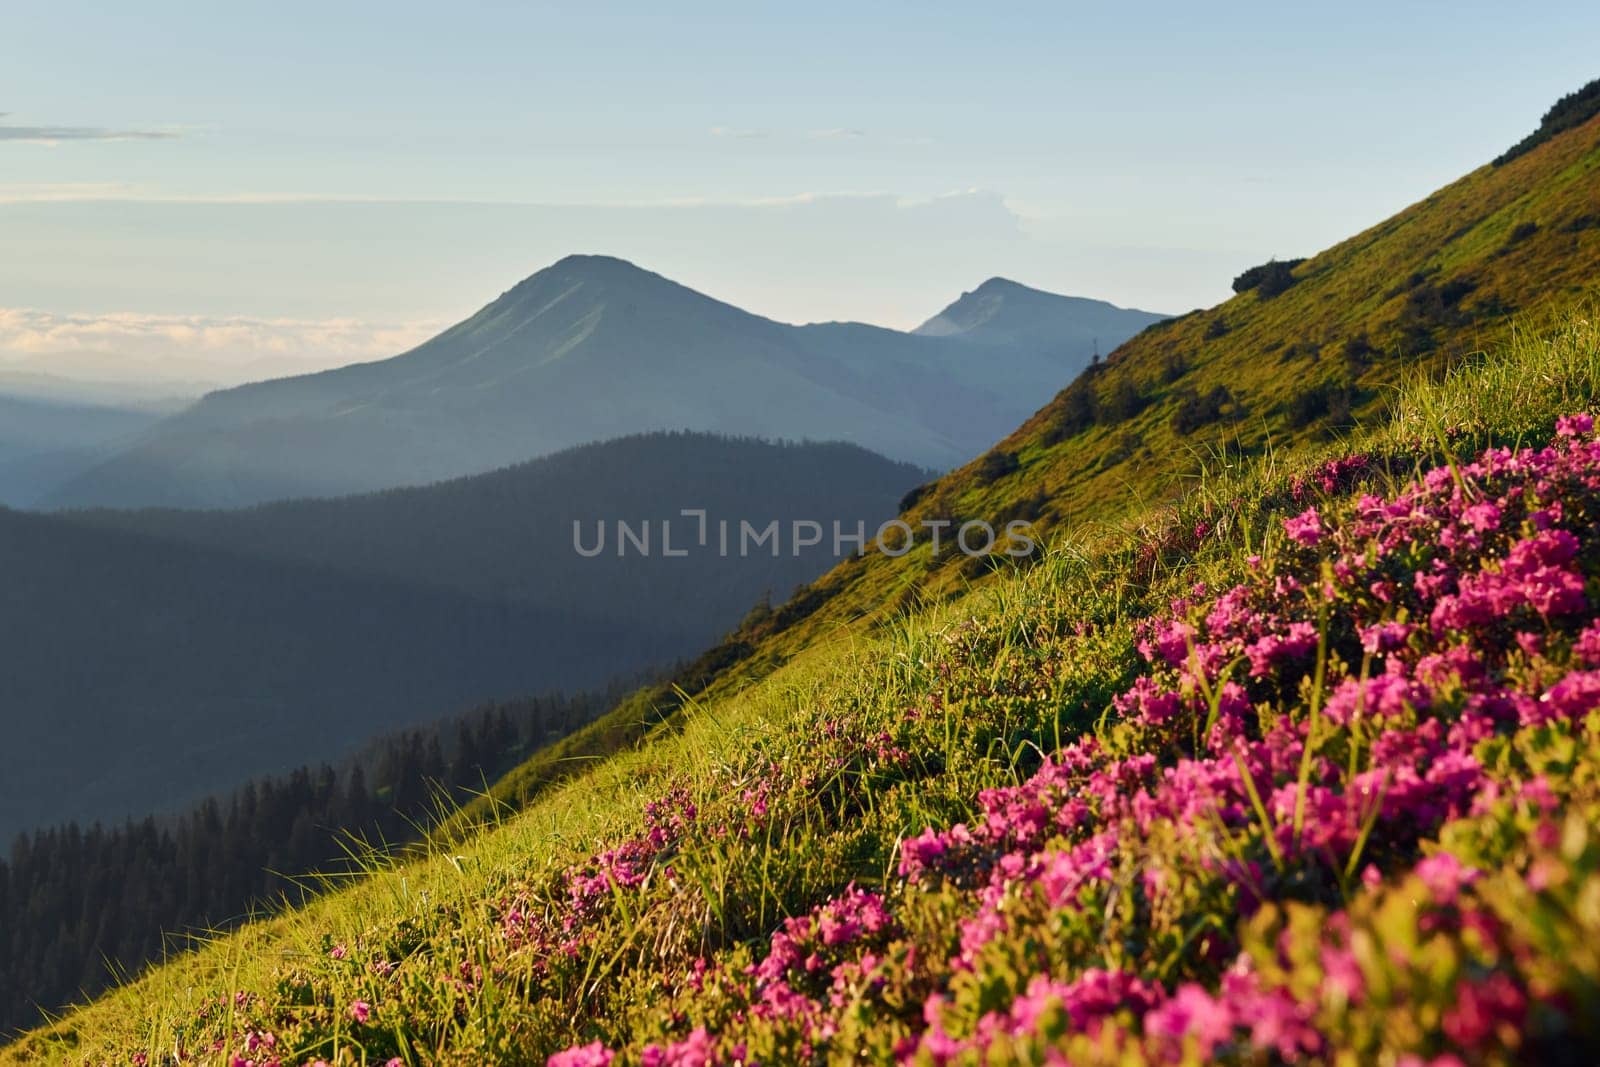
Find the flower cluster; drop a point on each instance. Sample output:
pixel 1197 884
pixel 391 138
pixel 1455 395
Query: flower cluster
pixel 1297 738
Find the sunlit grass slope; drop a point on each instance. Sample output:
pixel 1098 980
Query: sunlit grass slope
pixel 962 834
pixel 1443 278
pixel 1256 376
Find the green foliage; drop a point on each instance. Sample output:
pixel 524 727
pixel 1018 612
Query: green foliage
pixel 1270 279
pixel 1196 411
pixel 1571 111
pixel 996 465
pixel 1332 401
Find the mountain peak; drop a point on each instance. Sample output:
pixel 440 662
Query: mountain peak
pixel 596 262
pixel 591 281
pixel 997 284
pixel 582 266
pixel 1002 310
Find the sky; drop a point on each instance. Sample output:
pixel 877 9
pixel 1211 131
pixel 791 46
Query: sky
pixel 215 192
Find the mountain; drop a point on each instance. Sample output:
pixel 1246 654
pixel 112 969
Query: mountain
pixel 1003 313
pixel 156 657
pixel 508 536
pixel 1303 353
pixel 45 442
pixel 589 349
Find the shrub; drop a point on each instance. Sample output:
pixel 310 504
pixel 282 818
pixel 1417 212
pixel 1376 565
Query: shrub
pixel 1522 232
pixel 1270 278
pixel 1079 408
pixel 915 496
pixel 1195 411
pixel 1175 366
pixel 1216 328
pixel 996 465
pixel 1301 349
pixel 1127 445
pixel 1124 401
pixel 1358 354
pixel 1331 401
pixel 1570 111
pixel 1428 306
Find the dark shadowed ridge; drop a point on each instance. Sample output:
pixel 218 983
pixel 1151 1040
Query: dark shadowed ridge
pixel 155 656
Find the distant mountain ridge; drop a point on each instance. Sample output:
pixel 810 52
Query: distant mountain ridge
pixel 45 441
pixel 153 657
pixel 1003 312
pixel 593 348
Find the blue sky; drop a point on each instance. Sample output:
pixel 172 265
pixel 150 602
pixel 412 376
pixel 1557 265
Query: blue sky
pixel 287 184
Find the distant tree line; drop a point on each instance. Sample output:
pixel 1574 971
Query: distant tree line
pixel 77 903
pixel 1570 111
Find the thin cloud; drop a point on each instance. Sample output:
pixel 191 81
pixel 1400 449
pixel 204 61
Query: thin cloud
pixel 837 133
pixel 91 192
pixel 58 134
pixel 737 134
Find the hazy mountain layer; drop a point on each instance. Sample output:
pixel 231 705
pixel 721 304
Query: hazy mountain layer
pixel 594 348
pixel 45 442
pixel 156 657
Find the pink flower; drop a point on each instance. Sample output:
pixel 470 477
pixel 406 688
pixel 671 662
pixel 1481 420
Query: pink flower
pixel 1482 517
pixel 1445 876
pixel 1192 1012
pixel 1579 425
pixel 1570 699
pixel 1305 527
pixel 696 1050
pixel 1147 703
pixel 360 1011
pixel 1482 1007
pixel 1385 637
pixel 593 1054
pixel 1587 646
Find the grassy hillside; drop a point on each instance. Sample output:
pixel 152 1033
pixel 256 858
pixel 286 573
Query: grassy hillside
pixel 1254 378
pixel 1269 753
pixel 1442 279
pixel 1285 750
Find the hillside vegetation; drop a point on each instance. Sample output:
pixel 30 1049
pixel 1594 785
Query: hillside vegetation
pixel 1252 380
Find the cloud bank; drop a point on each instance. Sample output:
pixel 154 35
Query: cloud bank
pixel 206 349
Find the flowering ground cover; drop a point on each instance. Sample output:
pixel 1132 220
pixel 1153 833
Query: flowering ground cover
pixel 1307 770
